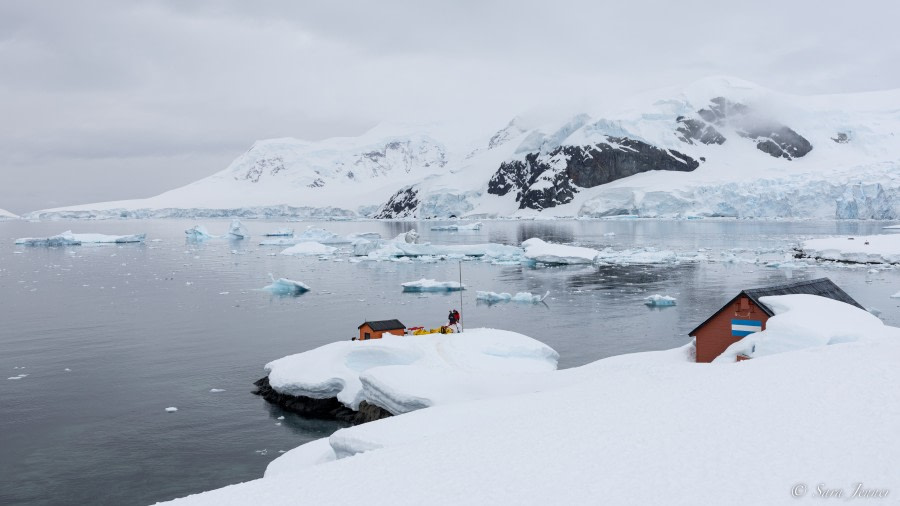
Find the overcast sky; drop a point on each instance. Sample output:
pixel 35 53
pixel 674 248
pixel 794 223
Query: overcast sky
pixel 111 99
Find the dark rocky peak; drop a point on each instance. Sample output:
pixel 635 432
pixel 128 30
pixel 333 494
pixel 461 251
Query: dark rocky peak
pixel 402 204
pixel 690 130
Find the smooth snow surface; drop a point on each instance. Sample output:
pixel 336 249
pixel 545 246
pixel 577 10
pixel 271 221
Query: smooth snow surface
pixel 430 285
pixel 882 249
pixel 493 297
pixel 548 253
pixel 809 321
pixel 309 248
pixel 405 373
pixel 659 300
pixel 284 286
pixel 67 238
pixel 628 430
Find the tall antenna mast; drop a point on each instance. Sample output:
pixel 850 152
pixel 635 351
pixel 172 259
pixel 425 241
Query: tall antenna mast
pixel 461 326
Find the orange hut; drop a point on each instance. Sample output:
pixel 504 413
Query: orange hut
pixel 375 329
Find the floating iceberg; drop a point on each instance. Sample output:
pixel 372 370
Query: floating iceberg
pixel 284 286
pixel 198 233
pixel 409 237
pixel 452 228
pixel 309 248
pixel 430 285
pixel 493 297
pixel 559 254
pixel 404 373
pixel 281 232
pixel 237 230
pixel 67 238
pixel 872 249
pixel 399 249
pixel 659 300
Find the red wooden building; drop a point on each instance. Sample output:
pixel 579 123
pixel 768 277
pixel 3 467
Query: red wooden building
pixel 745 314
pixel 374 330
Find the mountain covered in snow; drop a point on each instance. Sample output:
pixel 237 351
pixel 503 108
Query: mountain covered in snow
pixel 720 147
pixel 6 215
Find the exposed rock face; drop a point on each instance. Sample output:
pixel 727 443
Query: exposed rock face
pixel 547 180
pixel 272 165
pixel 841 138
pixel 771 137
pixel 326 409
pixel 402 204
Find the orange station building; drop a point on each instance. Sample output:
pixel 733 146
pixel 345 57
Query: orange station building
pixel 374 330
pixel 745 314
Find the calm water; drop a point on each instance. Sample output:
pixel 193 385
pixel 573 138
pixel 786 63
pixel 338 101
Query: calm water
pixel 144 327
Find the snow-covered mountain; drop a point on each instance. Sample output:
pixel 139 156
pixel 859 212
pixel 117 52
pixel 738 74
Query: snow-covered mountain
pixel 6 215
pixel 720 147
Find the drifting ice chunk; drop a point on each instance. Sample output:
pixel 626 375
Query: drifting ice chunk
pixel 171 409
pixel 198 233
pixel 410 237
pixel 493 297
pixel 451 228
pixel 237 230
pixel 67 238
pixel 547 253
pixel 281 232
pixel 284 286
pixel 430 285
pixel 659 300
pixel 309 248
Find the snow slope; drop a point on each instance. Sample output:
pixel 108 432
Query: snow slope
pixel 633 429
pixel 728 147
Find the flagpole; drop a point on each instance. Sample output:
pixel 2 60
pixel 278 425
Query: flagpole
pixel 461 326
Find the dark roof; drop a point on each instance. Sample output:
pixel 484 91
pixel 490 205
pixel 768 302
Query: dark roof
pixel 822 287
pixel 384 325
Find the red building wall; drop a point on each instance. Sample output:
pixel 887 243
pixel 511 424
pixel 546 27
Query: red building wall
pixel 714 336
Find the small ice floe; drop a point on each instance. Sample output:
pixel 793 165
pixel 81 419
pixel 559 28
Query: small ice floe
pixel 454 228
pixel 262 452
pixel 17 377
pixel 67 369
pixel 309 248
pixel 284 286
pixel 280 417
pixel 557 254
pixel 280 232
pixel 216 390
pixel 659 300
pixel 430 285
pixel 494 297
pixel 609 234
pixel 896 296
pixel 171 409
pixel 224 293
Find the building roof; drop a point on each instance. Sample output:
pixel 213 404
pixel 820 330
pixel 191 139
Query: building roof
pixel 822 287
pixel 380 325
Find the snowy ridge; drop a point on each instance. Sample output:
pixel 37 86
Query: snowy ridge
pixel 720 147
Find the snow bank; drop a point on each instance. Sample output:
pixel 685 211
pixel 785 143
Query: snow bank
pixel 67 238
pixel 404 373
pixel 284 286
pixel 309 248
pixel 882 249
pixel 493 297
pixel 430 285
pixel 454 228
pixel 659 300
pixel 548 253
pixel 809 321
pixel 628 430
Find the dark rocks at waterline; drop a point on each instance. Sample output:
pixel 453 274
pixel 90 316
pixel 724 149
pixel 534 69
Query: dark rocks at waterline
pixel 324 409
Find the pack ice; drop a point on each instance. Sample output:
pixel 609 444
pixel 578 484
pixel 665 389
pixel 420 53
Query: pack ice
pixel 493 297
pixel 67 238
pixel 405 373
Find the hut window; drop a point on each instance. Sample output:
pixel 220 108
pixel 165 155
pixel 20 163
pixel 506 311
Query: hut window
pixel 367 336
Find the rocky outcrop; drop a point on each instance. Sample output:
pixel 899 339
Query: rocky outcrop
pixel 547 180
pixel 841 138
pixel 402 204
pixel 325 409
pixel 771 137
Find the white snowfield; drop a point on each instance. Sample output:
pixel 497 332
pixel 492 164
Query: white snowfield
pixel 443 170
pixel 405 373
pixel 67 238
pixel 809 321
pixel 430 285
pixel 872 249
pixel 6 215
pixel 627 430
